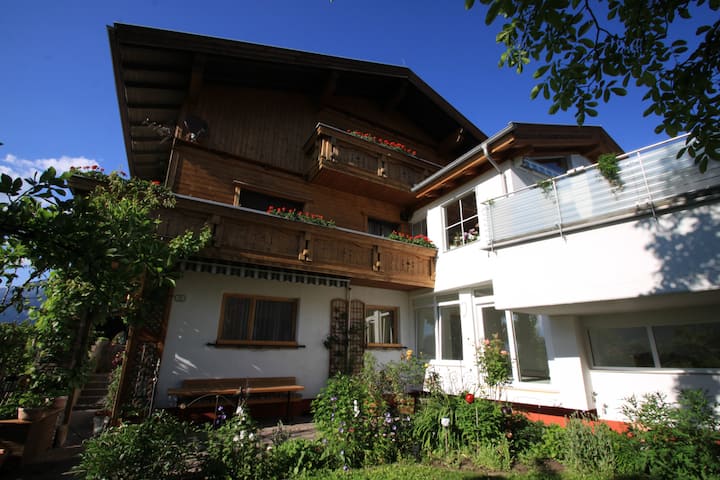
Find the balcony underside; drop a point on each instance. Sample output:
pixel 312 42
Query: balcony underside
pixel 250 237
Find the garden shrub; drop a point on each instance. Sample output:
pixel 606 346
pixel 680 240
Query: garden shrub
pixel 590 447
pixel 481 421
pixel 541 442
pixel 348 418
pixel 676 440
pixel 234 449
pixel 294 458
pixel 159 447
pixel 434 425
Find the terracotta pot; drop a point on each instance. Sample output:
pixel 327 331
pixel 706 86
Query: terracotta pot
pixel 31 414
pixel 59 402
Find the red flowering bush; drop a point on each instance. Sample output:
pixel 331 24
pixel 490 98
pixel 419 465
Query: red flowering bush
pixel 383 141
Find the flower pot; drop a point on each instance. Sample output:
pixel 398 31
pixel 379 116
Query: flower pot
pixel 59 402
pixel 31 414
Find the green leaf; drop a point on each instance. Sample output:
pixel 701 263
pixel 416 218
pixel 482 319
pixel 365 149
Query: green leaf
pixel 534 92
pixel 541 71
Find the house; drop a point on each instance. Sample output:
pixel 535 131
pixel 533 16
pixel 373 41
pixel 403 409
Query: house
pixel 248 136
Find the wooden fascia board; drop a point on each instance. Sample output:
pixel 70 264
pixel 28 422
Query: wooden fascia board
pixel 119 91
pixel 452 177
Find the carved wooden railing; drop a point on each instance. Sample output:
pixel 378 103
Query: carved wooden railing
pixel 248 236
pixel 333 150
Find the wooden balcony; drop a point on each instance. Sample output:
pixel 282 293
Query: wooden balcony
pixel 346 162
pixel 241 235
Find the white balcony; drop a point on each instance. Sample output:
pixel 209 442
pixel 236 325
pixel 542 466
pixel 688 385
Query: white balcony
pixel 652 179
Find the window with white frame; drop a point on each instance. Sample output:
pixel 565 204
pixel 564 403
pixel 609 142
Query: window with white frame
pixel 438 328
pixel 381 326
pixel 670 338
pixel 461 221
pixel 253 320
pixel 523 336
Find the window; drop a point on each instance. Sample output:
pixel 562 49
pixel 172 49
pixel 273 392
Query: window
pixel 419 227
pixel 381 326
pixel 532 358
pixel 524 339
pixel 461 221
pixel 257 320
pixel 450 333
pixel 425 331
pixel 261 201
pixel 381 228
pixel 694 345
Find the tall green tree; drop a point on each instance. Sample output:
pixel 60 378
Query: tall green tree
pixel 95 250
pixel 588 52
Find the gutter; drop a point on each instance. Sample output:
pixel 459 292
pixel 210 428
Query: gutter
pixel 482 148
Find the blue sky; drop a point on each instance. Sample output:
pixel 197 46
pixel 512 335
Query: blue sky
pixel 57 99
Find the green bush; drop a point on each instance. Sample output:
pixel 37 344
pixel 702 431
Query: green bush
pixel 234 449
pixel 676 440
pixel 345 417
pixel 294 458
pixel 590 447
pixel 159 447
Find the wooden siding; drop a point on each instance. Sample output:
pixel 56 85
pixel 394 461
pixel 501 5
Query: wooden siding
pixel 271 127
pixel 214 177
pixel 245 236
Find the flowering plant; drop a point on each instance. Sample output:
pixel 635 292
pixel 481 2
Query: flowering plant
pixel 418 239
pixel 465 237
pixel 383 141
pixel 493 361
pixel 300 216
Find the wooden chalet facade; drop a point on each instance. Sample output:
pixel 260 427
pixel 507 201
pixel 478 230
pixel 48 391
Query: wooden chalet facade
pixel 234 128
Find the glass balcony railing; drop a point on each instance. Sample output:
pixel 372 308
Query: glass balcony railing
pixel 650 179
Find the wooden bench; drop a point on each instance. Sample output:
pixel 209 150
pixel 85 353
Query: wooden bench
pixel 251 390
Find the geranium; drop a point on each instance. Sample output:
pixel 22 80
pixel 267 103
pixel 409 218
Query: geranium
pixel 418 239
pixel 383 141
pixel 300 216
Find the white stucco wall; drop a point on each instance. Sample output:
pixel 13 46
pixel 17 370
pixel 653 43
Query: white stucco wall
pixel 614 387
pixel 193 323
pixel 623 267
pixel 679 253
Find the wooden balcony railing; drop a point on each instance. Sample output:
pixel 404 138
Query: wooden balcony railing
pixel 342 160
pixel 248 236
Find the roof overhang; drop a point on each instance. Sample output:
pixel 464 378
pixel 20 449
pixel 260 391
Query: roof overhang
pixel 158 73
pixel 517 139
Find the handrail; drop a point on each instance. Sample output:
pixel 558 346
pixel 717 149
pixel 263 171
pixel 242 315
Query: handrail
pixel 649 178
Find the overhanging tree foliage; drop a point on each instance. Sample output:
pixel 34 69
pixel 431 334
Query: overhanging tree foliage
pixel 97 253
pixel 590 51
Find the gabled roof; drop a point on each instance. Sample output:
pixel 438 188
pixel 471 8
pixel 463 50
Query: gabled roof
pixel 158 71
pixel 518 139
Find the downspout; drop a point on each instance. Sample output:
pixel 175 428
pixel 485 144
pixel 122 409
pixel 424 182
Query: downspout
pixel 486 152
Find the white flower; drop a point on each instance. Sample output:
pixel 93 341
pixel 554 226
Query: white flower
pixel 445 422
pixel 239 410
pixel 242 434
pixel 356 409
pixel 236 439
pixel 251 436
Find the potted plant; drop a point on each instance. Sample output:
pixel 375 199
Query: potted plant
pixel 32 406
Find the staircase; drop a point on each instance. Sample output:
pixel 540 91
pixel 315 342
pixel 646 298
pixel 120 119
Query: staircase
pixel 92 394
